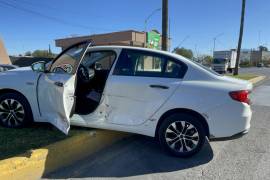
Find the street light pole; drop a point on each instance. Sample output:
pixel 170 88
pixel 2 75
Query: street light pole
pixel 148 17
pixel 165 17
pixel 215 38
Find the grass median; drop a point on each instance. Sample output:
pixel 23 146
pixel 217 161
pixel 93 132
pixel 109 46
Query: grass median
pixel 17 141
pixel 244 76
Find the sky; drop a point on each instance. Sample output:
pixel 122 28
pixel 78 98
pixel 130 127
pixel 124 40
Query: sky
pixel 27 25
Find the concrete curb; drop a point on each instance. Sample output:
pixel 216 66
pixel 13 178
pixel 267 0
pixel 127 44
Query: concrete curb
pixel 257 79
pixel 35 164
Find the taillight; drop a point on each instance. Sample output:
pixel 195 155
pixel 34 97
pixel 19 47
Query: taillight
pixel 241 96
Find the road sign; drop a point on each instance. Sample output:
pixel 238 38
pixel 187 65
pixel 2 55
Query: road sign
pixel 153 40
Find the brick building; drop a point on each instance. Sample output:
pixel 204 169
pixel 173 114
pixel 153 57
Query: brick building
pixel 123 38
pixel 126 38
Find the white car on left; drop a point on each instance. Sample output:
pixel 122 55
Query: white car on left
pixel 7 67
pixel 131 89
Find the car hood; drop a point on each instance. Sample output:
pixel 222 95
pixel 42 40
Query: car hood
pixel 18 75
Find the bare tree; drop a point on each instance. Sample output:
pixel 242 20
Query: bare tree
pixel 240 37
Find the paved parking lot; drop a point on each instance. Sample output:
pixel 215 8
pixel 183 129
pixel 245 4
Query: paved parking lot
pixel 140 157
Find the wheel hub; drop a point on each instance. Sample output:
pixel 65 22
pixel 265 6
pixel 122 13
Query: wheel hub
pixel 11 112
pixel 182 136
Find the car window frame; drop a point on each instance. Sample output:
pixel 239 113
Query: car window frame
pixel 84 50
pixel 103 50
pixel 154 54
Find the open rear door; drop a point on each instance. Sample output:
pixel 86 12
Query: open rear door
pixel 56 88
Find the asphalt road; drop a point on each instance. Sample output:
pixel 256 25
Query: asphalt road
pixel 141 157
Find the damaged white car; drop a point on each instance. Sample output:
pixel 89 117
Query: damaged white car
pixel 129 89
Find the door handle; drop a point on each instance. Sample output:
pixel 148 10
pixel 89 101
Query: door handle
pixel 159 86
pixel 60 84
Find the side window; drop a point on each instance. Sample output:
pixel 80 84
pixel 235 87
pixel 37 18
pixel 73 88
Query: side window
pixel 173 69
pixel 100 60
pixel 143 63
pixel 139 63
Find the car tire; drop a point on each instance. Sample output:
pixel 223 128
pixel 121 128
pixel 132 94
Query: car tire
pixel 15 111
pixel 182 135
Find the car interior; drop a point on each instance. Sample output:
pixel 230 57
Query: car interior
pixel 91 79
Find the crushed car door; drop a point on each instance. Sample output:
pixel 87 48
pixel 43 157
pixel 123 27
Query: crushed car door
pixel 141 83
pixel 56 88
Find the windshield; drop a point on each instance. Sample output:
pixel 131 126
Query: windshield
pixel 219 61
pixel 67 61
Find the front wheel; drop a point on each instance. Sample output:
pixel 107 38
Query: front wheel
pixel 15 111
pixel 182 135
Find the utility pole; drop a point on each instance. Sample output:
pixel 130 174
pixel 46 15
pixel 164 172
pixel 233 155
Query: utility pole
pixel 165 18
pixel 240 37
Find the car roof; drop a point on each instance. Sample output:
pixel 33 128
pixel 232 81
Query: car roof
pixel 144 49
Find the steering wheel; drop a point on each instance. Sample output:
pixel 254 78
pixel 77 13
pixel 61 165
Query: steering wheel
pixel 83 74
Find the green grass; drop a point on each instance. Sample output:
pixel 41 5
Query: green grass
pixel 244 76
pixel 17 141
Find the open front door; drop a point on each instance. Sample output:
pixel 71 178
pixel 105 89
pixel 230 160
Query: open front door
pixel 56 99
pixel 56 88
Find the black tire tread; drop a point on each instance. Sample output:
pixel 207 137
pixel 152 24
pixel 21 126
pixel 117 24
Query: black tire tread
pixel 189 118
pixel 27 108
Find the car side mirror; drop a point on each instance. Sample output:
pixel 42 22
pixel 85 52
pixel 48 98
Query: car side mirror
pixel 39 66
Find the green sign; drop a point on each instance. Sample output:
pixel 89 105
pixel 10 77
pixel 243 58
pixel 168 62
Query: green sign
pixel 153 40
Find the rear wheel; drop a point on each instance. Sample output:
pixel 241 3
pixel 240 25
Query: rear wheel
pixel 182 135
pixel 15 111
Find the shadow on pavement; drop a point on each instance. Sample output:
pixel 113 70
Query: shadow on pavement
pixel 137 155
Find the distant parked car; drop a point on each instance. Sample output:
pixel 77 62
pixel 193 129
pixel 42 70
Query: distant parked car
pixel 260 65
pixel 131 89
pixel 6 67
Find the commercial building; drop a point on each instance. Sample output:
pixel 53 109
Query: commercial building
pixel 125 38
pixel 4 59
pixel 252 57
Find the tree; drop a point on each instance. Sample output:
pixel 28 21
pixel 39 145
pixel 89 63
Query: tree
pixel 263 48
pixel 240 37
pixel 28 53
pixel 207 59
pixel 184 52
pixel 42 53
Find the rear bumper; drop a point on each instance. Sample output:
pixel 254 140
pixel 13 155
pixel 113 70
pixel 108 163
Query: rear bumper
pixel 235 136
pixel 229 123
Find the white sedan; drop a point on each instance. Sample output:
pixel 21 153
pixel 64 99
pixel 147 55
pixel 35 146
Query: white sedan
pixel 129 89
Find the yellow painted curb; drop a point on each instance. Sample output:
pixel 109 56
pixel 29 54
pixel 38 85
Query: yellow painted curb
pixel 257 79
pixel 35 164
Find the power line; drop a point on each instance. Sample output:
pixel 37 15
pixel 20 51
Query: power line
pixel 38 4
pixel 20 8
pixel 43 5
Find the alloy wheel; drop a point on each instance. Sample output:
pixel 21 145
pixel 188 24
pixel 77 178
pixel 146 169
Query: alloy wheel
pixel 182 136
pixel 11 112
